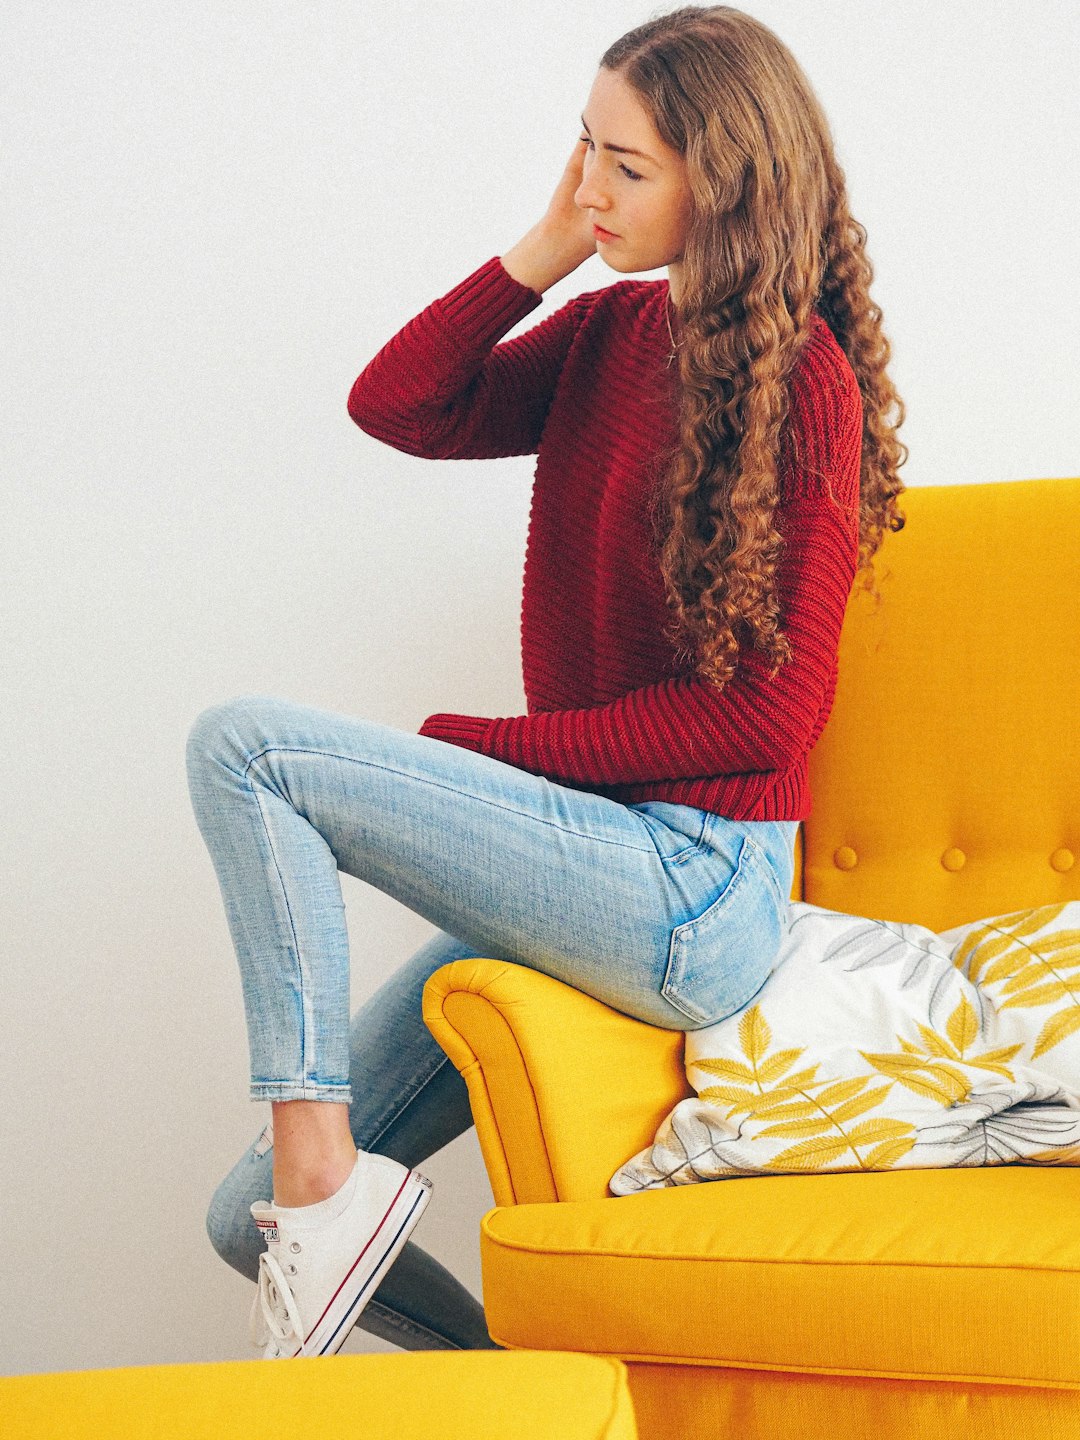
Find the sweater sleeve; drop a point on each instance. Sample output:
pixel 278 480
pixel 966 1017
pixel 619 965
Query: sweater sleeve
pixel 685 727
pixel 443 390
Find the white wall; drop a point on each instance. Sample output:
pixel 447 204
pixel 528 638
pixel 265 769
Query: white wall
pixel 216 214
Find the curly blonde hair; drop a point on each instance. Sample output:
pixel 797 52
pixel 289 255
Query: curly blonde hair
pixel 770 239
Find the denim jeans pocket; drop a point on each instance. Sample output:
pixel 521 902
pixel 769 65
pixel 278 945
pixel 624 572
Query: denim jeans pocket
pixel 677 831
pixel 718 960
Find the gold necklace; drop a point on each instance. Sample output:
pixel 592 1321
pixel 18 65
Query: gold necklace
pixel 667 317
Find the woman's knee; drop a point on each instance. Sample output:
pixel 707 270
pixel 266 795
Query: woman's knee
pixel 229 1224
pixel 228 720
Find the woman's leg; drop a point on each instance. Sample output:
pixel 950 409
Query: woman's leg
pixel 408 1102
pixel 662 911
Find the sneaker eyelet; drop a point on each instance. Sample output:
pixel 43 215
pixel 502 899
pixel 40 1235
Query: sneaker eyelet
pixel 295 1247
pixel 291 1269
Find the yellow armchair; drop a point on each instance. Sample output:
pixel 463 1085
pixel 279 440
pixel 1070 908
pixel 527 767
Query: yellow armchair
pixel 897 1303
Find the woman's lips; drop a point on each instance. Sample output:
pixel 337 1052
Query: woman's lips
pixel 602 234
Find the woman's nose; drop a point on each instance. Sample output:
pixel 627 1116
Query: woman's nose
pixel 588 197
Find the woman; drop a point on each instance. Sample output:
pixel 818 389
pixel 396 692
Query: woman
pixel 715 464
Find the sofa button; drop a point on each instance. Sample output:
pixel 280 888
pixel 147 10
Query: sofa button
pixel 1062 859
pixel 845 858
pixel 954 859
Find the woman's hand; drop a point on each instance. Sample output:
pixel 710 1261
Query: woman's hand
pixel 558 243
pixel 567 223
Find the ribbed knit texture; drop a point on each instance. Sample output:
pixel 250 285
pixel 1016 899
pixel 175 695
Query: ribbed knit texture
pixel 588 390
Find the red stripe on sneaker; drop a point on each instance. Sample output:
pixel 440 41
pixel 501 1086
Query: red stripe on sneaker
pixel 356 1262
pixel 348 1319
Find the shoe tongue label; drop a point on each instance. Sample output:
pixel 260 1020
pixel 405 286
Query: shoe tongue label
pixel 269 1230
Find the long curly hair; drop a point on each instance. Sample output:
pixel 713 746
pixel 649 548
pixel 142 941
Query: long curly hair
pixel 770 239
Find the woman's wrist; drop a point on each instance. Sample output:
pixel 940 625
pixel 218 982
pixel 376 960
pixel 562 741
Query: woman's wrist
pixel 537 261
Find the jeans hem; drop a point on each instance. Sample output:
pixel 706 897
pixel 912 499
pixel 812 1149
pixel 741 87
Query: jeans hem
pixel 297 1090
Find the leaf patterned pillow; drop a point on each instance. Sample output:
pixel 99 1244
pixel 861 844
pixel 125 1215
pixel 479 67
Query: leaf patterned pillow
pixel 875 1044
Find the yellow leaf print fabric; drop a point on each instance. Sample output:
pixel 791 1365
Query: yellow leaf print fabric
pixel 874 1045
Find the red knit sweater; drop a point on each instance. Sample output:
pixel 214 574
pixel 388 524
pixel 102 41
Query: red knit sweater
pixel 588 390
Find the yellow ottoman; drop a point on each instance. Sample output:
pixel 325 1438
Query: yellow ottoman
pixel 415 1395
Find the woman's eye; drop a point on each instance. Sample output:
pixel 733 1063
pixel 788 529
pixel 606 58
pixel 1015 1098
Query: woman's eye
pixel 630 174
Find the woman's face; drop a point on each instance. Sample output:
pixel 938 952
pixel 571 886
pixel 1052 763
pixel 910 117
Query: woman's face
pixel 644 198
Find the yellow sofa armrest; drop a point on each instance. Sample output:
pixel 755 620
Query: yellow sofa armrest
pixel 563 1088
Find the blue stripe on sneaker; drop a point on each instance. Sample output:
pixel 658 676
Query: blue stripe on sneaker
pixel 371 1277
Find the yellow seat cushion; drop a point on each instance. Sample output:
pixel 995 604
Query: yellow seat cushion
pixel 423 1395
pixel 955 1274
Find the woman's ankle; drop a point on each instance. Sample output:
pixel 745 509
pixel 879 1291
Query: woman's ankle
pixel 314 1152
pixel 310 1183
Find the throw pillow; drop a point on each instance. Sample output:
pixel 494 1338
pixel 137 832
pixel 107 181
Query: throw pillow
pixel 875 1044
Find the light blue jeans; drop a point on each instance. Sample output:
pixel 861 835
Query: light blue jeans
pixel 665 912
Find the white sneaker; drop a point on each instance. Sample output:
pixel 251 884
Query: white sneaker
pixel 316 1275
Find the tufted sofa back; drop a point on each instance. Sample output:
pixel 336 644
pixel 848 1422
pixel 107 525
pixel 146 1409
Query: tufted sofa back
pixel 946 785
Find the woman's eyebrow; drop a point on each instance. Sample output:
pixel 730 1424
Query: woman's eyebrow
pixel 623 149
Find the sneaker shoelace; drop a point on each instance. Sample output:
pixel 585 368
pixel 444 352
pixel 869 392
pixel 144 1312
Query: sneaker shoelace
pixel 274 1311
